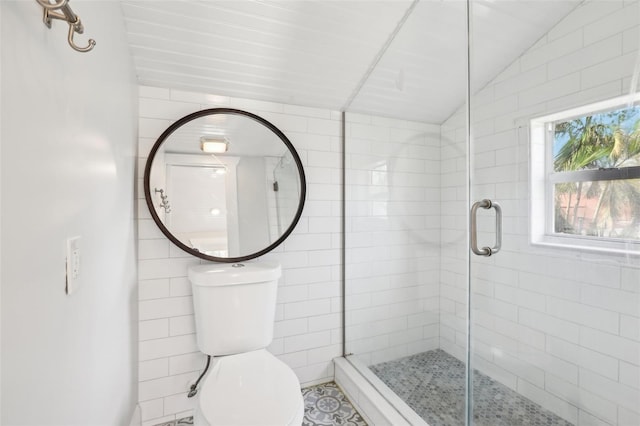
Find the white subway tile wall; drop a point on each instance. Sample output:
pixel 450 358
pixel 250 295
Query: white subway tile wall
pixel 392 237
pixel 560 327
pixel 308 316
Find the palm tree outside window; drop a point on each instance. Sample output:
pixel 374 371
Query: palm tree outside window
pixel 591 175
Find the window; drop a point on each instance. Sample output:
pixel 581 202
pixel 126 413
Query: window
pixel 585 177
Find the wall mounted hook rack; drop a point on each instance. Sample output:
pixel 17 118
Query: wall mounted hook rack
pixel 62 11
pixel 165 202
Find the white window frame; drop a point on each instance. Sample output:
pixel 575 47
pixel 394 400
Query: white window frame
pixel 543 178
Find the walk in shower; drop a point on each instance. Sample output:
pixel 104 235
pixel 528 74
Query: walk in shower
pixel 528 146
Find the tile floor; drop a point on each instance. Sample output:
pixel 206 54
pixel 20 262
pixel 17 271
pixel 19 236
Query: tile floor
pixel 324 405
pixel 186 421
pixel 433 383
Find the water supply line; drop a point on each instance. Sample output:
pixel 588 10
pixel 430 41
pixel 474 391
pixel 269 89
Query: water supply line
pixel 194 387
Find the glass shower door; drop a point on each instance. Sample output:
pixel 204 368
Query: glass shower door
pixel 405 216
pixel 554 292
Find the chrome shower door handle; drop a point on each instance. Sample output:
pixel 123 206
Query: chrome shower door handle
pixel 485 251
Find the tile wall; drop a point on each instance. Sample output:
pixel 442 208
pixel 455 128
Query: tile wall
pixel 308 317
pixel 561 327
pixel 392 237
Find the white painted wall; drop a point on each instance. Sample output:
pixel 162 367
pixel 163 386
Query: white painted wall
pixel 558 326
pixel 308 315
pixel 68 159
pixel 392 237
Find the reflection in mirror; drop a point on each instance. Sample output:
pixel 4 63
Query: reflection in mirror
pixel 286 188
pixel 227 185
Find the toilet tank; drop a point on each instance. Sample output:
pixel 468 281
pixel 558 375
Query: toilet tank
pixel 234 306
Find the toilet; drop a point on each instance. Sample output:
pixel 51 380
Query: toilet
pixel 234 308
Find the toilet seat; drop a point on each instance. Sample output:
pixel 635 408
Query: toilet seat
pixel 251 389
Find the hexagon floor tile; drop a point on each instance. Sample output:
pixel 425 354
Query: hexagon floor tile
pixel 433 384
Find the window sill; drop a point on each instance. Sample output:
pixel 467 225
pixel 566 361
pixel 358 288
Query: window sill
pixel 588 244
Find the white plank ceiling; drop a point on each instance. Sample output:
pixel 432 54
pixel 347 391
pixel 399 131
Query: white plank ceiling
pixel 320 53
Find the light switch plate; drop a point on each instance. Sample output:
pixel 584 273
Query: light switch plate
pixel 73 264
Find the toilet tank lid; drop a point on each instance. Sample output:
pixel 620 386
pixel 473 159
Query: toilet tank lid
pixel 224 274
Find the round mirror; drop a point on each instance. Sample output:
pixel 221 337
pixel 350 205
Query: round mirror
pixel 224 185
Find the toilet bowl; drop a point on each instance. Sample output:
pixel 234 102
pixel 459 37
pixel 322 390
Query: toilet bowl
pixel 250 389
pixel 234 307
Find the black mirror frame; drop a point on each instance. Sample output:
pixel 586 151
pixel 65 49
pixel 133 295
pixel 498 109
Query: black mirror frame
pixel 214 111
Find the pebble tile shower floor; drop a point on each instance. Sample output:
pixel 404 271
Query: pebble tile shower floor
pixel 432 383
pixel 324 405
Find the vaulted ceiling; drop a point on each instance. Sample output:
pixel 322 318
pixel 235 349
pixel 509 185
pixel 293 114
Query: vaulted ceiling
pixel 395 58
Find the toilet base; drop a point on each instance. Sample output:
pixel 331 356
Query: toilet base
pixel 199 420
pixel 249 389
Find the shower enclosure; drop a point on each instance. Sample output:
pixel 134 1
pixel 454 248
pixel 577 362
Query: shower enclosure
pixel 529 152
